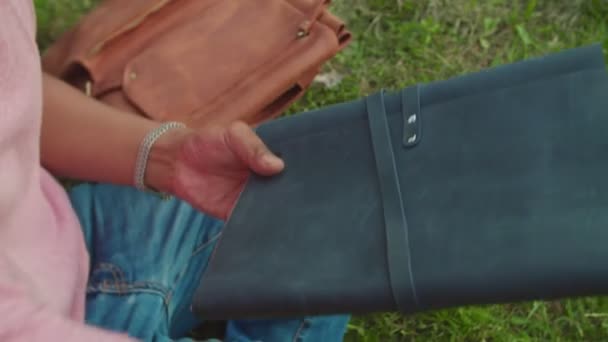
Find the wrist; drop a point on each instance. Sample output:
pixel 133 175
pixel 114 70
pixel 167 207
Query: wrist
pixel 160 169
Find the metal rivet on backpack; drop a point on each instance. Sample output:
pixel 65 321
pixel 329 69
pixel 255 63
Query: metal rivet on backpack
pixel 411 119
pixel 411 139
pixel 88 88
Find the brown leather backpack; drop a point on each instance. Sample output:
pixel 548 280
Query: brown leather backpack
pixel 199 61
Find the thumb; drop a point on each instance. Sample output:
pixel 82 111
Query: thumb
pixel 251 150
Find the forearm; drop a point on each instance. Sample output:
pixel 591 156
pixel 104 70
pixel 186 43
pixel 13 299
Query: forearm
pixel 85 139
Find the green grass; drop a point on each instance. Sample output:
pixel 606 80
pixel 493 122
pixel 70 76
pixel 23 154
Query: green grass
pixel 400 42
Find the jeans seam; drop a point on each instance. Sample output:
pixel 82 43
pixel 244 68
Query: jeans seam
pixel 116 271
pixel 297 336
pixel 196 251
pixel 121 287
pixel 127 289
pixel 206 244
pixel 219 238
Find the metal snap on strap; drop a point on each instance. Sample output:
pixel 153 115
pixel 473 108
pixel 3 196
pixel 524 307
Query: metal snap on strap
pixel 302 33
pixel 410 107
pixel 88 88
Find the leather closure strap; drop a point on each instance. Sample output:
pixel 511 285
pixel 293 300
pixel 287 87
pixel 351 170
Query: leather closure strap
pixel 396 229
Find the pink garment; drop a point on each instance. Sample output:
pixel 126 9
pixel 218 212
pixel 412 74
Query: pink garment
pixel 43 258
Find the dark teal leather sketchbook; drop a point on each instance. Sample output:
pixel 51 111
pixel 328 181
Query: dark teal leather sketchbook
pixel 490 187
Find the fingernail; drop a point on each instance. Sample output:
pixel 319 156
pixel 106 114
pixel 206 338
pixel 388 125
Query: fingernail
pixel 271 160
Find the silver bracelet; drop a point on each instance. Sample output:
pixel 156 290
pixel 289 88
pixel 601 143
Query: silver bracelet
pixel 144 151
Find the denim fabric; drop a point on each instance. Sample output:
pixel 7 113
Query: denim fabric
pixel 147 257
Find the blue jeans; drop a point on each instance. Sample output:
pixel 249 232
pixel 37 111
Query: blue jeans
pixel 147 257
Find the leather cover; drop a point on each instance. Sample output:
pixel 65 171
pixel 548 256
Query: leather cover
pixel 199 61
pixel 489 187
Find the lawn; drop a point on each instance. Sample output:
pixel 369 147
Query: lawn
pixel 401 42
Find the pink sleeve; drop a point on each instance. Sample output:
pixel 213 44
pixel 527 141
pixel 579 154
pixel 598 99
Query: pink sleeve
pixel 24 320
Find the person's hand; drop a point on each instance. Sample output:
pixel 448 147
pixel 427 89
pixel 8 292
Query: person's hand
pixel 208 168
